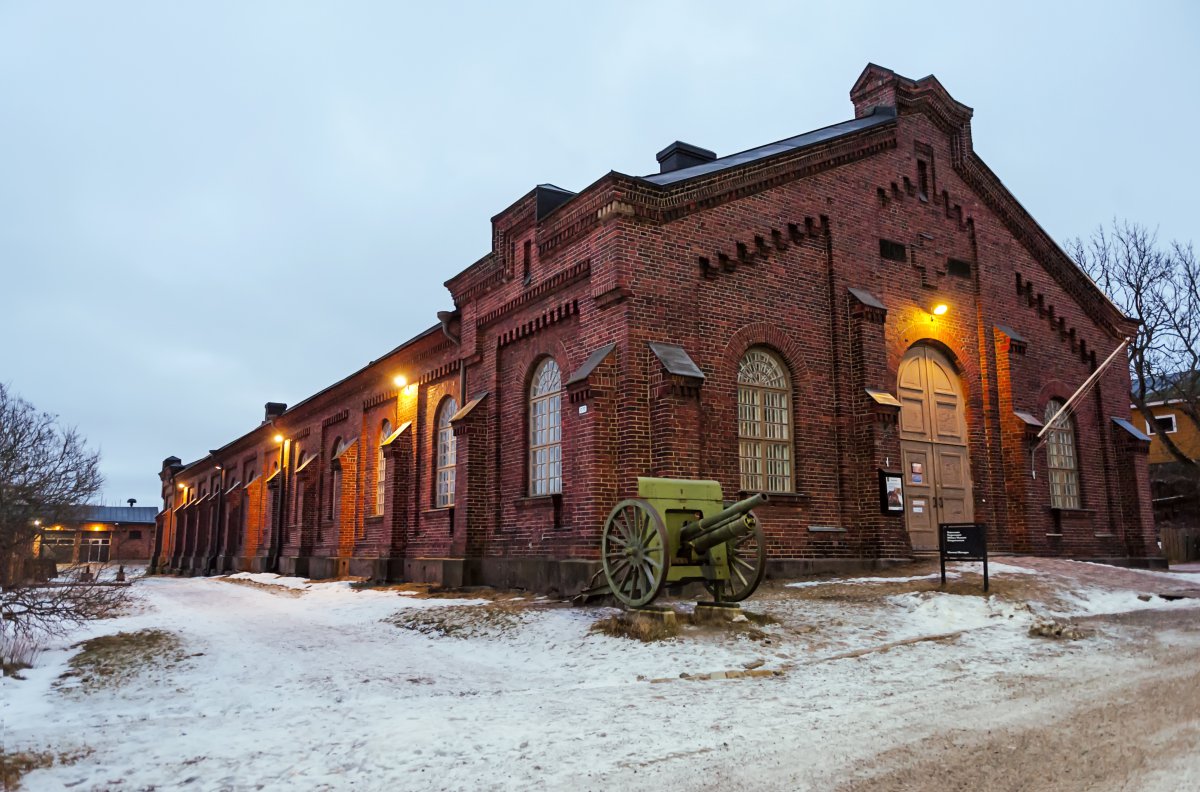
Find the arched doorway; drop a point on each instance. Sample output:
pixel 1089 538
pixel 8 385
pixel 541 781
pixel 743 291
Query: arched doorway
pixel 933 446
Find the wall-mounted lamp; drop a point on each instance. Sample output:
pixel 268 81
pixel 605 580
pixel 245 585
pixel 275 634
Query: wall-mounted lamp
pixel 400 380
pixel 179 485
pixel 278 438
pixel 939 308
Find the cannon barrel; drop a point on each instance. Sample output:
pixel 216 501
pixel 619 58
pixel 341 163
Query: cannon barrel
pixel 735 528
pixel 693 531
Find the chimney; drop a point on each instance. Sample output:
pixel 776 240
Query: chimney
pixel 274 410
pixel 682 155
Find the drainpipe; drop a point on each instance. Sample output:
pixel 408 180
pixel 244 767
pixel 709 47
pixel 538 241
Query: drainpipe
pixel 217 526
pixel 280 511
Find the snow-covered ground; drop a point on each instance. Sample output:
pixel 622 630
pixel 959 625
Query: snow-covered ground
pixel 281 683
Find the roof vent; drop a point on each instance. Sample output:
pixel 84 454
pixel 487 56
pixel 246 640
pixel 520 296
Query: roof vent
pixel 682 155
pixel 274 410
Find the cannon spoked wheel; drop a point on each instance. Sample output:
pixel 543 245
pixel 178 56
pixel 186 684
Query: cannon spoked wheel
pixel 634 551
pixel 747 560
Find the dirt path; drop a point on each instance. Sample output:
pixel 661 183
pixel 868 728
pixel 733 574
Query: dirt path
pixel 1126 732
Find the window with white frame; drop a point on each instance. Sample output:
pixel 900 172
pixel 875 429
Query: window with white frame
pixel 385 431
pixel 545 430
pixel 764 423
pixel 446 449
pixel 1164 424
pixel 1061 459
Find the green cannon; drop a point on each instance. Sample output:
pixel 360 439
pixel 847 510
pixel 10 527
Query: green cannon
pixel 679 532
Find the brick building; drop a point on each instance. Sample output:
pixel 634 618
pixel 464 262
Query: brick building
pixel 101 534
pixel 795 318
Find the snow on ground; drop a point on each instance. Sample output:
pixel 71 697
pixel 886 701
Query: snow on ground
pixel 282 683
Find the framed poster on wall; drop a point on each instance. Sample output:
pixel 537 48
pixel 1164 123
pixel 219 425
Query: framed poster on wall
pixel 891 492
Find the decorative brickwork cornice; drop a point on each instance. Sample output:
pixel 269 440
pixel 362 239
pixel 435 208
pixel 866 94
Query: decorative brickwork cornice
pixel 338 416
pixel 379 398
pixel 559 280
pixel 441 371
pixel 550 317
pixel 1046 310
pixel 663 205
pixel 775 240
pixel 1026 230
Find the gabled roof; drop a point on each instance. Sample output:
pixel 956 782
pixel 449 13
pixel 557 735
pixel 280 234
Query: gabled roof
pixel 879 117
pixel 121 514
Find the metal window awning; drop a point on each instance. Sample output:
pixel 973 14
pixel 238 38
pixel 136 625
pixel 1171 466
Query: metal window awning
pixel 882 397
pixel 595 359
pixel 394 436
pixel 676 360
pixel 467 408
pixel 1136 433
pixel 1029 419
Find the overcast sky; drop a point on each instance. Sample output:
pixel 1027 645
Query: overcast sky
pixel 209 205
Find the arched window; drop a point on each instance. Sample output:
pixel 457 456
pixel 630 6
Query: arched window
pixel 444 440
pixel 385 431
pixel 545 430
pixel 335 479
pixel 764 423
pixel 1061 459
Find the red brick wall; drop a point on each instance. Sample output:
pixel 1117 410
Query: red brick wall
pixel 757 256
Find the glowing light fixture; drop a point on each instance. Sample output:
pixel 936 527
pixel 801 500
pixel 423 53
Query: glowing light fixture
pixel 400 380
pixel 180 485
pixel 939 308
pixel 278 438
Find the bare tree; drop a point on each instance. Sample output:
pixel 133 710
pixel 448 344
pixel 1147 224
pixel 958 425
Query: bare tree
pixel 1159 285
pixel 46 473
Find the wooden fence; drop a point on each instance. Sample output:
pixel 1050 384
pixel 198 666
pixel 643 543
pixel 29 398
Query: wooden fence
pixel 1181 544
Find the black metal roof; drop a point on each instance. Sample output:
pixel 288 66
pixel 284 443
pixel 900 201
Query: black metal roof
pixel 121 514
pixel 879 116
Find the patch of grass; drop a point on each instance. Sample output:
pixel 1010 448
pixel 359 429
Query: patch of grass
pixel 630 624
pixel 15 765
pixel 462 621
pixel 110 660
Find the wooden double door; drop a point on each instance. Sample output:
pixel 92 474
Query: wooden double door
pixel 933 446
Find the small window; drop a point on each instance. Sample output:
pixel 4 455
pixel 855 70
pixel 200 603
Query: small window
pixel 923 180
pixel 959 268
pixel 527 263
pixel 1164 424
pixel 892 251
pixel 135 535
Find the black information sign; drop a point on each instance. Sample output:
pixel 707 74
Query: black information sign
pixel 891 492
pixel 963 542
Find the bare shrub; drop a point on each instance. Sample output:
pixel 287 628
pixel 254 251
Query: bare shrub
pixel 46 474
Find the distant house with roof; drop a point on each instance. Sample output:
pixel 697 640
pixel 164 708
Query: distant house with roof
pixel 1175 495
pixel 100 534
